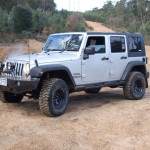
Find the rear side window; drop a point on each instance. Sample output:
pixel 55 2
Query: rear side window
pixel 135 44
pixel 117 44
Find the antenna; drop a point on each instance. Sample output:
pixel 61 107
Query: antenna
pixel 29 52
pixel 27 37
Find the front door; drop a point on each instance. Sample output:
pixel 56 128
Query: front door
pixel 96 68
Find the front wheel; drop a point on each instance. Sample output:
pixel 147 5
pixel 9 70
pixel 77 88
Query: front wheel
pixel 135 86
pixel 7 97
pixel 53 99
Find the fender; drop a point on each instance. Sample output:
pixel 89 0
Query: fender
pixel 130 67
pixel 38 71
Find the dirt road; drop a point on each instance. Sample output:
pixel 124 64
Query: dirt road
pixel 104 121
pixel 98 27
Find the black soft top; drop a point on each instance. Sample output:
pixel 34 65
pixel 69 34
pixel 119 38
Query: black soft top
pixel 130 54
pixel 114 33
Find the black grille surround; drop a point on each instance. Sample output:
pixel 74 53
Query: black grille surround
pixel 15 69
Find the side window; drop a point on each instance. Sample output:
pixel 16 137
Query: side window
pixel 98 42
pixel 117 44
pixel 135 44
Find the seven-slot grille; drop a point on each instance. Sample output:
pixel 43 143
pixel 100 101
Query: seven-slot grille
pixel 17 70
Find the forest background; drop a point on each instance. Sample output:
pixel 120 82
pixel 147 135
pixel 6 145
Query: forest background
pixel 39 18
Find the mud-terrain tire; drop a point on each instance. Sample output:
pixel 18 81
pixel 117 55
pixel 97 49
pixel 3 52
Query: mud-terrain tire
pixel 53 99
pixel 7 97
pixel 92 91
pixel 135 87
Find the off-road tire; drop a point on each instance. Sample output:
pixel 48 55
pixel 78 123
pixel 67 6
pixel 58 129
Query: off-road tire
pixel 135 87
pixel 92 91
pixel 7 97
pixel 53 99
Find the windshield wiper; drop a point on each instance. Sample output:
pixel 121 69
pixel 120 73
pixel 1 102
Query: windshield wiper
pixel 67 49
pixel 53 50
pixel 46 51
pixel 63 50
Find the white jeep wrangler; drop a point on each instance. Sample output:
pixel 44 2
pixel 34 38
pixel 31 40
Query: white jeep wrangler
pixel 76 61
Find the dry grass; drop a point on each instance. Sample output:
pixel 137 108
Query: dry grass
pixel 21 47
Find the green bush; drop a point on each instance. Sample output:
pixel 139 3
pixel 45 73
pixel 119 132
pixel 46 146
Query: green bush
pixel 57 23
pixel 145 29
pixel 147 40
pixel 94 16
pixel 7 5
pixel 48 21
pixel 4 26
pixel 22 19
pixel 39 18
pixel 76 22
pixel 132 28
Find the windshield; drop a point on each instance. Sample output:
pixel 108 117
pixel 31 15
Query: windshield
pixel 66 42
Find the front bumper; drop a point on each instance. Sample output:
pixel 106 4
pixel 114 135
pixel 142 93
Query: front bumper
pixel 19 86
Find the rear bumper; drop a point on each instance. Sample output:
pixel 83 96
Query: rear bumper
pixel 19 86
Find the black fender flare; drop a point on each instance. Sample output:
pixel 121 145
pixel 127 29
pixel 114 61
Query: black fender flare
pixel 130 67
pixel 38 71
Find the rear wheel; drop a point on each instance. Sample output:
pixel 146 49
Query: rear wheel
pixel 53 99
pixel 7 97
pixel 135 86
pixel 94 90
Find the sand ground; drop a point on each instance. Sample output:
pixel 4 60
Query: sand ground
pixel 104 121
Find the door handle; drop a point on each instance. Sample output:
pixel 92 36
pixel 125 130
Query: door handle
pixel 123 57
pixel 105 58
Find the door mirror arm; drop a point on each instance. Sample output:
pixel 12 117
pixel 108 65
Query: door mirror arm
pixel 86 56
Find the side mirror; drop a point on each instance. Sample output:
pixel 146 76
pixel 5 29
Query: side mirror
pixel 89 51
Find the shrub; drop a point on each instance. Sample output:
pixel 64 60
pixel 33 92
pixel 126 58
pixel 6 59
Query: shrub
pixel 22 19
pixel 57 23
pixel 76 22
pixel 132 28
pixel 145 29
pixel 4 26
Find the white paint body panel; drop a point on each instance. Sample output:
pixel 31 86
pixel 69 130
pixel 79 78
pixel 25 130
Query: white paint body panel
pixel 95 69
pixel 117 65
pixel 92 70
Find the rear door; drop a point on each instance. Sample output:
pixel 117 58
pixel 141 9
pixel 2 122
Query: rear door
pixel 118 56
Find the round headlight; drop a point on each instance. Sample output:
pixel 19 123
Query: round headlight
pixel 27 68
pixel 8 65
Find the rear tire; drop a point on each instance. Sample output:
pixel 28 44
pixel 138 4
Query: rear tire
pixel 7 97
pixel 53 99
pixel 92 91
pixel 135 86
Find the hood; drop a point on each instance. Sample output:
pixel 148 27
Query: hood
pixel 43 58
